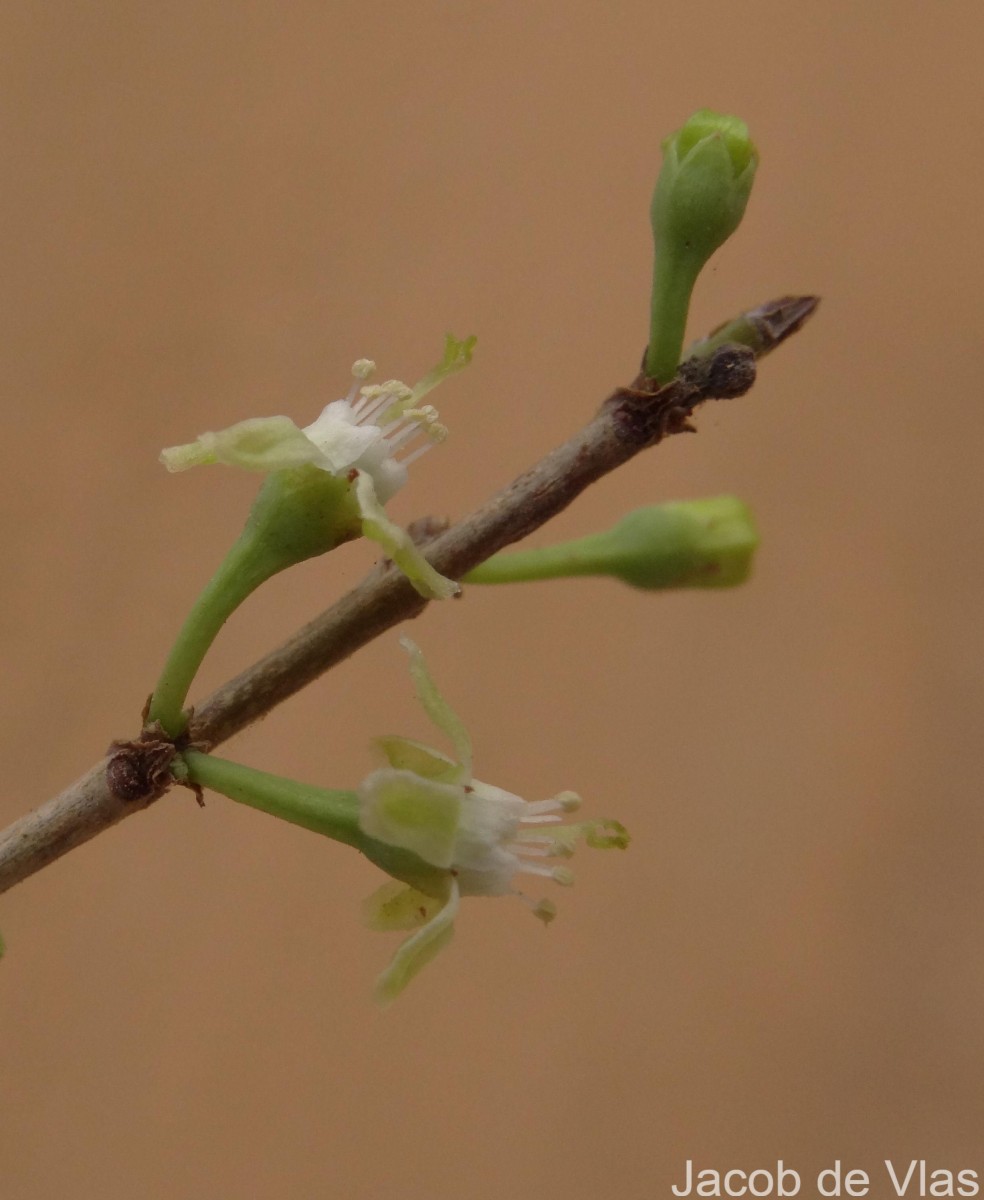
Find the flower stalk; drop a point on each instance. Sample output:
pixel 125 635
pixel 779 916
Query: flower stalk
pixel 334 813
pixel 299 513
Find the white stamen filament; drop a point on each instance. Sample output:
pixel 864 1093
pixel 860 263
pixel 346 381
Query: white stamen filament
pixel 415 454
pixel 525 850
pixel 524 838
pixel 541 869
pixel 370 402
pixel 562 802
pixel 396 439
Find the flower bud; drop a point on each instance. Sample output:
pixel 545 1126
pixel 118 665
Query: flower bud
pixel 699 200
pixel 702 190
pixel 688 544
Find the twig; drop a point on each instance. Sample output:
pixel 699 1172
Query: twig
pixel 631 420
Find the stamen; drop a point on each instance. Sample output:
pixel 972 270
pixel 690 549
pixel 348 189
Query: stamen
pixel 362 369
pixel 544 910
pixel 541 869
pixel 396 440
pixel 401 398
pixel 534 807
pixel 415 454
pixel 414 421
pixel 568 801
pixel 526 850
pixel 372 400
pixel 533 845
pixel 427 415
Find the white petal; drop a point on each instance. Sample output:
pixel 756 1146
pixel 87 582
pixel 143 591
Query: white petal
pixel 493 876
pixel 388 475
pixel 339 438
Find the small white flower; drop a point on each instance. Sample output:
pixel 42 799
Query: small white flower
pixel 483 837
pixel 370 437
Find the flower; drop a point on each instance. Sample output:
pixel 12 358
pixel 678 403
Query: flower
pixel 474 837
pixel 370 438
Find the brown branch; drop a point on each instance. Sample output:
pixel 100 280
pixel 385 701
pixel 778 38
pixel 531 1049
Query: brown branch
pixel 631 420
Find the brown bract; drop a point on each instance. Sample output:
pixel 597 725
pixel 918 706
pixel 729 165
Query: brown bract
pixel 141 771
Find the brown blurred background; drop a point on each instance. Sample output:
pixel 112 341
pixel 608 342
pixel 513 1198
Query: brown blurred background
pixel 209 210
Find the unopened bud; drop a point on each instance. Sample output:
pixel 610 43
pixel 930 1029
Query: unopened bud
pixel 698 203
pixel 706 543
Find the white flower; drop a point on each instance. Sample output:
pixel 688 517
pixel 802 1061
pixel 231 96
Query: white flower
pixel 483 837
pixel 371 437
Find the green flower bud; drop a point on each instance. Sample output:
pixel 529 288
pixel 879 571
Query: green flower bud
pixel 698 203
pixel 689 544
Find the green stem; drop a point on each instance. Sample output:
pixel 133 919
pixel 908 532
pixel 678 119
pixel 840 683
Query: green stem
pixel 249 563
pixel 298 513
pixel 674 275
pixel 332 813
pixel 335 814
pixel 582 556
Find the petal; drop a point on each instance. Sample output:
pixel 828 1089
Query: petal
pixel 395 905
pixel 418 950
pixel 457 356
pixel 398 544
pixel 403 809
pixel 388 475
pixel 259 444
pixel 437 708
pixel 492 876
pixel 407 755
pixel 339 438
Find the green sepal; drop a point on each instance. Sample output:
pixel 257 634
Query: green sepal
pixel 406 810
pixel 700 196
pixel 397 906
pixel 405 754
pixel 418 950
pixel 302 512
